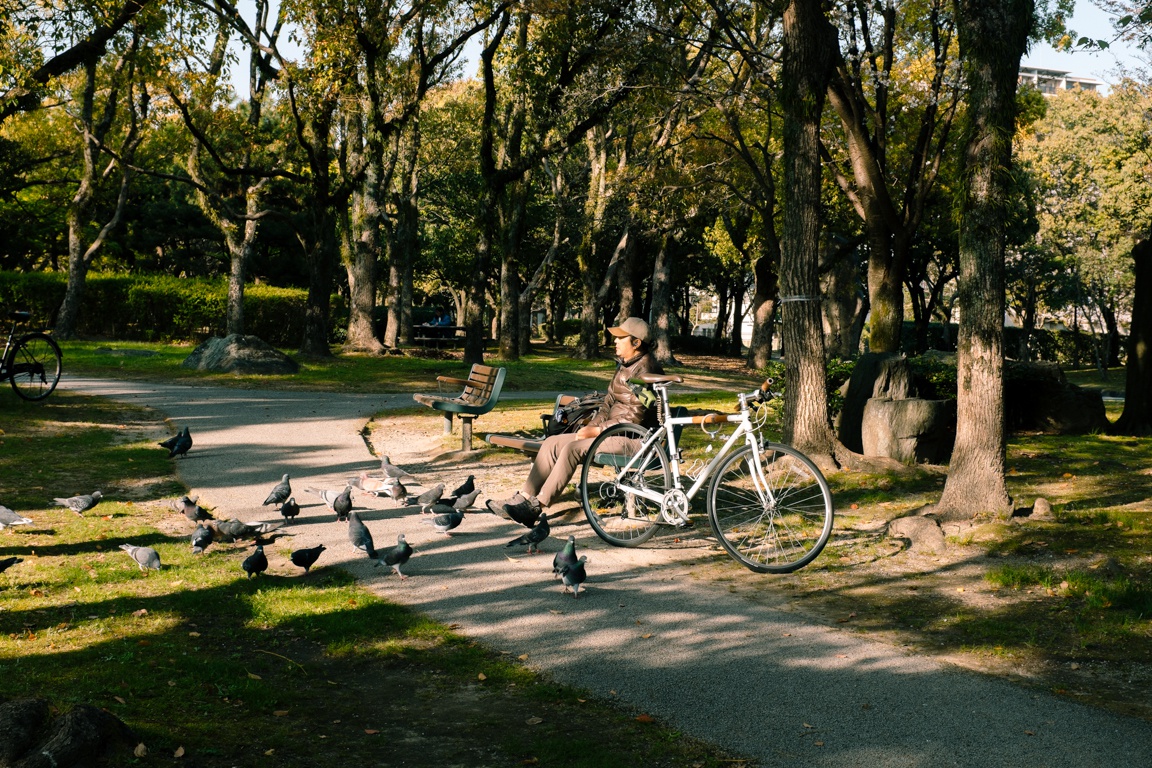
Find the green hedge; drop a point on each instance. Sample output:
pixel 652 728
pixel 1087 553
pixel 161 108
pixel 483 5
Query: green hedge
pixel 163 308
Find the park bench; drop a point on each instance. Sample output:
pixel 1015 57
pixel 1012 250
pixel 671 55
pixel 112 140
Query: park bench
pixel 480 395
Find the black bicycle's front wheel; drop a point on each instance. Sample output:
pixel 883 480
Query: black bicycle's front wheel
pixel 613 479
pixel 771 509
pixel 34 365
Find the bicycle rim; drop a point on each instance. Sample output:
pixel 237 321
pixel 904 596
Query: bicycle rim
pixel 774 528
pixel 34 366
pixel 619 517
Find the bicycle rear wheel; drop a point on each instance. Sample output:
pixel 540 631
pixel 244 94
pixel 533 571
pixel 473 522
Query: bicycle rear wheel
pixel 34 366
pixel 774 520
pixel 607 487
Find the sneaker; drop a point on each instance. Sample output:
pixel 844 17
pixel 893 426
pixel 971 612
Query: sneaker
pixel 526 511
pixel 496 506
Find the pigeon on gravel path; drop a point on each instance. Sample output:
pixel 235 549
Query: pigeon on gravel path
pixel 428 498
pixel 565 557
pixel 574 575
pixel 359 535
pixel 392 471
pixel 534 537
pixel 281 492
pixel 466 487
pixel 289 509
pixel 444 518
pixel 339 502
pixel 230 530
pixel 182 443
pixel 398 555
pixel 191 510
pixel 465 501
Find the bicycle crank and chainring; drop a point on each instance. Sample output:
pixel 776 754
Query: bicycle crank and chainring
pixel 674 507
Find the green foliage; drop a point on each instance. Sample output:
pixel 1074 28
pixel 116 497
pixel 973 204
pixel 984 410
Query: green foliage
pixel 160 308
pixel 836 375
pixel 935 377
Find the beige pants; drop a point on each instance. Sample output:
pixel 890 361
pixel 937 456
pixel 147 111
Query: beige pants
pixel 558 460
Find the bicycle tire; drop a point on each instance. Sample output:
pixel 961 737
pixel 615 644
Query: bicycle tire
pixel 34 365
pixel 622 519
pixel 777 535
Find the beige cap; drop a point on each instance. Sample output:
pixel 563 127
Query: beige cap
pixel 633 326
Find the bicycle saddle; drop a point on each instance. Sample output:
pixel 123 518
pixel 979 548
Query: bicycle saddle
pixel 21 316
pixel 659 378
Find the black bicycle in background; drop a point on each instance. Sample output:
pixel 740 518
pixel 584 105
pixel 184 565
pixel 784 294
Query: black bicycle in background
pixel 31 363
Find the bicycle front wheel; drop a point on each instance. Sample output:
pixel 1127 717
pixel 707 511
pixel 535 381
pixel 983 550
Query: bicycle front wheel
pixel 771 509
pixel 34 366
pixel 609 482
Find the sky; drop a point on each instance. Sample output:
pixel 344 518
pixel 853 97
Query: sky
pixel 1087 21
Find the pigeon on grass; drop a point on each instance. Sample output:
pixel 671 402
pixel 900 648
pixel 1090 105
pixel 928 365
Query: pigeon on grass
pixel 466 487
pixel 359 535
pixel 191 510
pixel 444 518
pixel 80 504
pixel 306 558
pixel 280 493
pixel 339 502
pixel 9 518
pixel 233 529
pixel 534 537
pixel 289 509
pixel 565 557
pixel 145 557
pixel 392 471
pixel 8 562
pixel 396 556
pixel 256 563
pixel 201 538
pixel 574 575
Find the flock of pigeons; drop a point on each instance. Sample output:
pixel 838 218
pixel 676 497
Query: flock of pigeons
pixel 443 513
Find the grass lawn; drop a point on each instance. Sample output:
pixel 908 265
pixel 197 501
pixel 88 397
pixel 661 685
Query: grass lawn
pixel 286 670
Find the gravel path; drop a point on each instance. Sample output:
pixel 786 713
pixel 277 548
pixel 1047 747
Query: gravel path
pixel 657 628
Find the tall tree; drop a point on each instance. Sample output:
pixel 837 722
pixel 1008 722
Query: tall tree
pixel 993 36
pixel 809 51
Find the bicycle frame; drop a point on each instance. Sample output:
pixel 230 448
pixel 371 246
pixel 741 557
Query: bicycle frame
pixel 743 430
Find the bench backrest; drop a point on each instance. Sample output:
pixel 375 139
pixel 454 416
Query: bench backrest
pixel 484 385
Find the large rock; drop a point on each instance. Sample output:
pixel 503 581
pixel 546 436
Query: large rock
pixel 877 374
pixel 1038 398
pixel 912 430
pixel 239 354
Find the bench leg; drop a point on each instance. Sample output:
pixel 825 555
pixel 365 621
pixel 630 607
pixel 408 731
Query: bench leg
pixel 447 423
pixel 466 433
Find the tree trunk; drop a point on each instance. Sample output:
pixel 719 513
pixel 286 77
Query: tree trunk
pixel 993 35
pixel 737 317
pixel 1137 416
pixel 885 292
pixel 662 317
pixel 763 312
pixel 809 46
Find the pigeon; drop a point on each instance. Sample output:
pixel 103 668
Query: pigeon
pixel 372 485
pixel 574 576
pixel 392 471
pixel 445 518
pixel 533 538
pixel 170 443
pixel 80 504
pixel 9 518
pixel 8 562
pixel 191 509
pixel 340 503
pixel 359 535
pixel 145 557
pixel 398 492
pixel 398 555
pixel 201 538
pixel 466 500
pixel 256 563
pixel 428 498
pixel 306 558
pixel 290 509
pixel 466 487
pixel 565 557
pixel 182 444
pixel 230 530
pixel 281 492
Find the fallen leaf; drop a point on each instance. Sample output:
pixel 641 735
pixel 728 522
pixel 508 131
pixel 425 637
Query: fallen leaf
pixel 841 655
pixel 193 634
pixel 818 743
pixel 76 588
pixel 854 506
pixel 582 701
pixel 254 676
pixel 141 612
pixel 179 752
pixel 481 677
pixel 1029 733
pixel 370 731
pixel 959 589
pixel 534 721
pixel 269 752
pixel 280 712
pixel 141 750
pixel 523 657
pixel 646 635
pixel 143 642
pixel 119 699
pixel 645 719
pixel 808 726
pixel 171 683
pixel 553 610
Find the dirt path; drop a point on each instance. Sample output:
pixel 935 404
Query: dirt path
pixel 668 628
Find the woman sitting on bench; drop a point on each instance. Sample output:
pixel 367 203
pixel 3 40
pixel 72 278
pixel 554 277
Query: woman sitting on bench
pixel 560 455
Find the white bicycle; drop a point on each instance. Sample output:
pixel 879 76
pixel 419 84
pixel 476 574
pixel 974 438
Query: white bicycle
pixel 768 504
